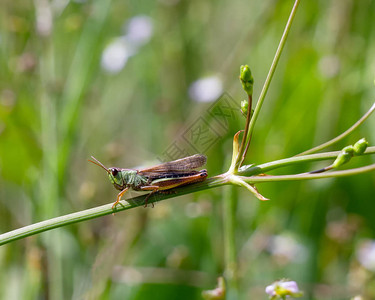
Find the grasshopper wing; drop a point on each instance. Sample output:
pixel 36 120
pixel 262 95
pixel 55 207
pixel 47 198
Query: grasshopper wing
pixel 179 167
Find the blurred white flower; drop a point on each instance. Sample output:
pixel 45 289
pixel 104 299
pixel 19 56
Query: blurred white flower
pixel 286 247
pixel 44 18
pixel 283 288
pixel 139 30
pixel 206 89
pixel 366 254
pixel 115 55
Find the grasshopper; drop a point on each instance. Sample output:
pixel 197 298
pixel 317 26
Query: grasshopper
pixel 158 178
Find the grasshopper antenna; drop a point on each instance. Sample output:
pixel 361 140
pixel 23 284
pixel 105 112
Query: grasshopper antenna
pixel 98 163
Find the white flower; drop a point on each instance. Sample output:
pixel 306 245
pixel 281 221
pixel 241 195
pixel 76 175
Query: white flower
pixel 366 254
pixel 139 30
pixel 286 246
pixel 115 55
pixel 206 89
pixel 283 288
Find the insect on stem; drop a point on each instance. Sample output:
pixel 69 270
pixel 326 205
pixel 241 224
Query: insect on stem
pixel 159 178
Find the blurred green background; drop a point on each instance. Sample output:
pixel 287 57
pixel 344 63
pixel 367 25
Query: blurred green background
pixel 123 80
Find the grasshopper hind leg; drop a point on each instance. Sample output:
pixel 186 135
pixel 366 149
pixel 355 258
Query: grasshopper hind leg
pixel 153 189
pixel 166 192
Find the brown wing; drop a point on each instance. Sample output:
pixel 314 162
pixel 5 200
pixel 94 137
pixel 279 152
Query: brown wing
pixel 180 166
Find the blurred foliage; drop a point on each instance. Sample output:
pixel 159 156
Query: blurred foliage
pixel 58 106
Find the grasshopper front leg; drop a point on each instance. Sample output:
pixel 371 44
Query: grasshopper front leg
pixel 119 197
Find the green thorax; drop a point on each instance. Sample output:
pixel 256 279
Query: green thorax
pixel 122 178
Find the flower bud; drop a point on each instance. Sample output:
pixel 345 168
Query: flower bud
pixel 360 146
pixel 245 73
pixel 342 158
pixel 247 79
pixel 216 294
pixel 348 149
pixel 244 107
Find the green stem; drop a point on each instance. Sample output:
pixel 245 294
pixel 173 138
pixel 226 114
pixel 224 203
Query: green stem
pixel 229 218
pixel 266 167
pixel 341 136
pixel 306 176
pixel 48 188
pixel 242 151
pixel 271 72
pixel 212 182
pixel 104 210
pixel 249 115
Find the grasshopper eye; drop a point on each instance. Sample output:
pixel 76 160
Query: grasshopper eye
pixel 114 171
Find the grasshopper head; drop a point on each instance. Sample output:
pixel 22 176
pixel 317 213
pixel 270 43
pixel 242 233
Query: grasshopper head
pixel 115 176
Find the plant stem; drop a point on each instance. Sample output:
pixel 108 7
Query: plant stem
pixel 248 117
pixel 212 182
pixel 271 72
pixel 231 266
pixel 242 151
pixel 306 176
pixel 104 210
pixel 341 136
pixel 266 167
pixel 49 186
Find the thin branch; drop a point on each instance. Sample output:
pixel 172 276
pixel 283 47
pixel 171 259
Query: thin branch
pixel 271 72
pixel 105 210
pixel 306 176
pixel 341 136
pixel 229 234
pixel 266 167
pixel 212 182
pixel 325 169
pixel 242 151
